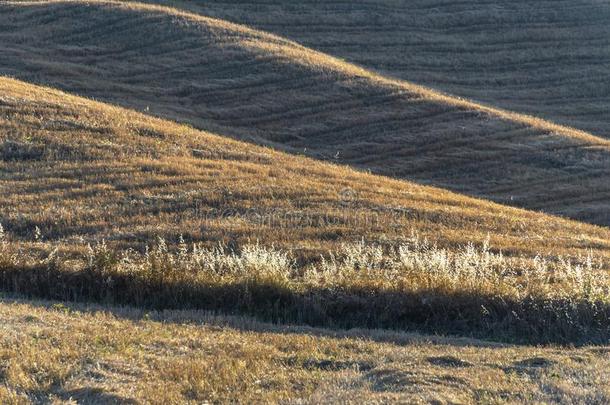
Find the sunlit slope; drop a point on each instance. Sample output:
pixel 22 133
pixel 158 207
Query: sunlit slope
pixel 83 171
pixel 548 58
pixel 251 85
pixel 96 355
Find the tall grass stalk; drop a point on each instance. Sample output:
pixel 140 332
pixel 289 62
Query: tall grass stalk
pixel 471 290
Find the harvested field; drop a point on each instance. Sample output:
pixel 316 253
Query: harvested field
pixel 264 89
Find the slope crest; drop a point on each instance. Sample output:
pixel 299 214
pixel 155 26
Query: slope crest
pixel 259 87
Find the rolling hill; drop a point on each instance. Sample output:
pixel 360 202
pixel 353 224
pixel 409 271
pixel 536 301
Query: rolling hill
pixel 254 86
pixel 101 203
pixel 81 170
pixel 546 58
pixel 195 211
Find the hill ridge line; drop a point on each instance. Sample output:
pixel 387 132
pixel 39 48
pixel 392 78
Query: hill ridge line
pixel 303 55
pixel 104 108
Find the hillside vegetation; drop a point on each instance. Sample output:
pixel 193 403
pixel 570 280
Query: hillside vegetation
pixel 547 58
pixel 92 180
pixel 79 169
pixel 54 353
pixel 196 211
pixel 251 85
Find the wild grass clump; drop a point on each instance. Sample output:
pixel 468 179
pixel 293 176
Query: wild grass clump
pixel 471 290
pixel 420 265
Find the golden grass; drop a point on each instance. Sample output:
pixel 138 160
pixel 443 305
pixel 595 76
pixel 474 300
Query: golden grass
pixel 301 241
pixel 468 292
pixel 58 353
pixel 252 85
pixel 76 172
pixel 82 171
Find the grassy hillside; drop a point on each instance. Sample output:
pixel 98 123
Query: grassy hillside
pixel 140 257
pixel 55 353
pixel 77 172
pixel 79 169
pixel 258 87
pixel 546 58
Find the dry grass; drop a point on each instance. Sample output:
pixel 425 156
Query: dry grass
pixel 415 285
pixel 100 203
pixel 50 352
pixel 546 58
pixel 251 85
pixel 77 172
pixel 82 171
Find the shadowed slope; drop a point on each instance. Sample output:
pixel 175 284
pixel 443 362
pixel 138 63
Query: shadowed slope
pixel 262 88
pixel 80 171
pixel 549 58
